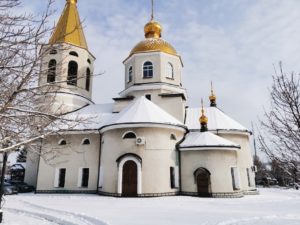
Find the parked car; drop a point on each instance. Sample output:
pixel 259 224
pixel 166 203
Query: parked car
pixel 9 189
pixel 22 186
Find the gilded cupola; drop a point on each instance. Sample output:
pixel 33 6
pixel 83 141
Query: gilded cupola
pixel 203 119
pixel 153 41
pixel 69 28
pixel 212 97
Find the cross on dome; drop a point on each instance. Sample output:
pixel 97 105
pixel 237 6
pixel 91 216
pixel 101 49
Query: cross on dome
pixel 212 97
pixel 152 13
pixel 203 119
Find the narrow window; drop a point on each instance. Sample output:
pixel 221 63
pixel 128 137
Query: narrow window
pixel 89 61
pixel 51 71
pixel 248 176
pixel 86 141
pixel 172 177
pixel 148 70
pixel 170 71
pixel 88 79
pixel 62 142
pixel 74 53
pixel 85 177
pixel 148 96
pixel 130 74
pixel 61 177
pixel 129 135
pixel 72 73
pixel 235 178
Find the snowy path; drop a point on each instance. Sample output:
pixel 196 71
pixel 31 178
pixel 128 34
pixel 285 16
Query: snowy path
pixel 271 207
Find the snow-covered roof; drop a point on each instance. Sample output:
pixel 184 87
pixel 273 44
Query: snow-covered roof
pixel 142 111
pixel 206 140
pixel 91 117
pixel 217 120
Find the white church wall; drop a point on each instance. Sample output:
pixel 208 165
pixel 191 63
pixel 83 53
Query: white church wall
pixel 244 159
pixel 32 162
pixel 158 155
pixel 217 162
pixel 72 157
pixel 63 58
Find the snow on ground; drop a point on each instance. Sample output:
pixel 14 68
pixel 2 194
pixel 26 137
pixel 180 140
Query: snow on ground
pixel 271 207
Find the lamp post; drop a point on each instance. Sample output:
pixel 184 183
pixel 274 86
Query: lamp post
pixel 2 183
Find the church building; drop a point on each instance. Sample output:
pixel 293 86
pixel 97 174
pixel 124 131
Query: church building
pixel 148 142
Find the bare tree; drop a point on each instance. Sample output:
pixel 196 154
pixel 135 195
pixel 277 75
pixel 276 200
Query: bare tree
pixel 23 117
pixel 280 130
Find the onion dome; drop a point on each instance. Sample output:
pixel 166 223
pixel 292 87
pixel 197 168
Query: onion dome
pixel 153 41
pixel 152 30
pixel 212 98
pixel 203 120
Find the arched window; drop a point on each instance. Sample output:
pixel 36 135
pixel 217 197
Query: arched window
pixel 51 71
pixel 74 53
pixel 72 73
pixel 88 79
pixel 86 141
pixel 89 61
pixel 130 74
pixel 62 142
pixel 129 135
pixel 170 71
pixel 148 70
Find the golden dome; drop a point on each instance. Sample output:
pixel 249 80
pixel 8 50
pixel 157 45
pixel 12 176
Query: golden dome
pixel 153 41
pixel 212 97
pixel 153 44
pixel 203 119
pixel 152 29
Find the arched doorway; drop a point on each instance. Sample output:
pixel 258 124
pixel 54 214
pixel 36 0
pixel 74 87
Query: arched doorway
pixel 129 179
pixel 202 178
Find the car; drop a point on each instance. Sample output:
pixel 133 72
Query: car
pixel 9 189
pixel 22 186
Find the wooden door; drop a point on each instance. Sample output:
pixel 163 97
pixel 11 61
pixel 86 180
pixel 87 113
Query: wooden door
pixel 203 180
pixel 129 181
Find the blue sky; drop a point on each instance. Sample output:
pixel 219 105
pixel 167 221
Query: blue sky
pixel 234 43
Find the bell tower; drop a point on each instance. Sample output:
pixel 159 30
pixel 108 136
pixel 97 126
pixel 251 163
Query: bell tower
pixel 153 69
pixel 67 64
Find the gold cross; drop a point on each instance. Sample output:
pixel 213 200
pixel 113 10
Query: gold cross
pixel 152 13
